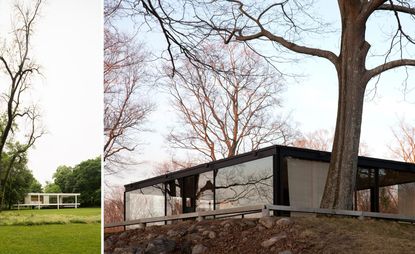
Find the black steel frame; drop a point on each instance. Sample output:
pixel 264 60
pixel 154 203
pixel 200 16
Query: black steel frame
pixel 280 171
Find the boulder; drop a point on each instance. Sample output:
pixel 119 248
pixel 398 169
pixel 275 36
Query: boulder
pixel 186 247
pixel 268 243
pixel 267 222
pixel 123 234
pixel 173 233
pixel 192 229
pixel 199 249
pixel 194 237
pixel 210 234
pixel 284 222
pixel 250 223
pixel 160 245
pixel 128 250
pixel 260 228
pixel 150 236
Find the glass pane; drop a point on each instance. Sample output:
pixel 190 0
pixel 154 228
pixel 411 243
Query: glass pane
pixel 396 192
pixel 388 199
pixel 365 180
pixel 204 192
pixel 362 200
pixel 245 184
pixel 174 198
pixel 145 203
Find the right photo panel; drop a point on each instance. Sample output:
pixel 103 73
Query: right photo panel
pixel 238 126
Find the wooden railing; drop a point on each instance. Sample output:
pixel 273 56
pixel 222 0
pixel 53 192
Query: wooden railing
pixel 265 211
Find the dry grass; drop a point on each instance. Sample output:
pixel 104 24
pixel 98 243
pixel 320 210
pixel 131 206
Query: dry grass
pixel 347 235
pixel 50 216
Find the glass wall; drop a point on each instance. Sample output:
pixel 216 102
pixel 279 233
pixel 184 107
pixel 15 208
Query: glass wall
pixel 245 184
pixel 251 183
pixel 145 203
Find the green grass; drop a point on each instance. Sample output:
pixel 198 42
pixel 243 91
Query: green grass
pixel 50 216
pixel 62 239
pixel 50 231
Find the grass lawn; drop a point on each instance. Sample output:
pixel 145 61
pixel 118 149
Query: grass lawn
pixel 68 238
pixel 51 231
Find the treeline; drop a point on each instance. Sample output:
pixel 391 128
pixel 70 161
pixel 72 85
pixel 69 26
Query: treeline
pixel 84 178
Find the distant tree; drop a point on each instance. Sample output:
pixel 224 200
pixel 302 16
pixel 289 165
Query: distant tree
pixel 21 181
pixel 403 146
pixel 172 165
pixel 87 175
pixel 17 118
pixel 35 186
pixel 318 140
pixel 322 140
pixel 52 188
pixel 229 107
pixel 114 206
pixel 64 178
pixel 84 178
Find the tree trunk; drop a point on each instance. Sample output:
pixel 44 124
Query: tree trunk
pixel 1 195
pixel 341 178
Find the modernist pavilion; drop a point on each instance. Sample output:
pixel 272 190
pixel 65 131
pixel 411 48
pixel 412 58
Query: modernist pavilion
pixel 277 175
pixel 58 200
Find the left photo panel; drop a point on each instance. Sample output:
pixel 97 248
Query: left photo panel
pixel 51 55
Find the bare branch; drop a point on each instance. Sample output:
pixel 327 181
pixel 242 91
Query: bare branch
pixel 398 8
pixel 388 66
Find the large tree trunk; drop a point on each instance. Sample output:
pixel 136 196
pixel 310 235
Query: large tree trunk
pixel 341 179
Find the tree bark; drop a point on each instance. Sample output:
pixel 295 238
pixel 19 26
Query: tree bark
pixel 341 178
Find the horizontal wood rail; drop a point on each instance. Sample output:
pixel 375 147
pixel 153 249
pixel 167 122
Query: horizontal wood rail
pixel 361 214
pixel 265 211
pixel 195 215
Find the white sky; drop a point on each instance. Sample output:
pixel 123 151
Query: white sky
pixel 68 44
pixel 312 101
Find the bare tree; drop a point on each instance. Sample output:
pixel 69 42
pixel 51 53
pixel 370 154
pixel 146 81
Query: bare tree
pixel 318 140
pixel 172 165
pixel 125 107
pixel 114 206
pixel 322 140
pixel 404 147
pixel 18 119
pixel 229 108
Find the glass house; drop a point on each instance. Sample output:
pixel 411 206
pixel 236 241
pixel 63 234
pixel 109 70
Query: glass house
pixel 277 175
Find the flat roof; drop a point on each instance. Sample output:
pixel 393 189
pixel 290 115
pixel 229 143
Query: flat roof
pixel 282 151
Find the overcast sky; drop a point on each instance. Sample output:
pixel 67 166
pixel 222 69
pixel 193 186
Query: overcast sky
pixel 68 44
pixel 312 101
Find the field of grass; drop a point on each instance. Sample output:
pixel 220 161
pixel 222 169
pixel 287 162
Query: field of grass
pixel 62 239
pixel 50 216
pixel 51 231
